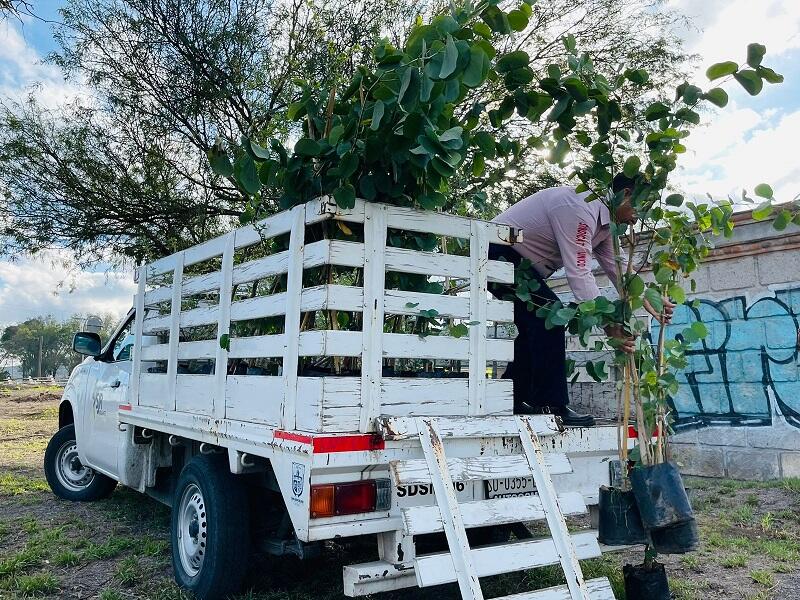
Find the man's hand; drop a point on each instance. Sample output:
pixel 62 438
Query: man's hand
pixel 621 340
pixel 669 308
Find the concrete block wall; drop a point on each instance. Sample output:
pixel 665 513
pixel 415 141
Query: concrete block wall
pixel 737 413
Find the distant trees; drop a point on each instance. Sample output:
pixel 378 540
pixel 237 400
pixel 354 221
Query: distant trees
pixel 52 339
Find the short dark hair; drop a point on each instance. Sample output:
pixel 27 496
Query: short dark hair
pixel 622 182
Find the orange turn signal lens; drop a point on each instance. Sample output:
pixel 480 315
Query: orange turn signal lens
pixel 322 501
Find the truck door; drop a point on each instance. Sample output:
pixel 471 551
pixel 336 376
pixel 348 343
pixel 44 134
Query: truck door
pixel 108 389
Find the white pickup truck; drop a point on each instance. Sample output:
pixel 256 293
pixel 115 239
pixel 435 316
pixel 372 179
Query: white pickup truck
pixel 203 399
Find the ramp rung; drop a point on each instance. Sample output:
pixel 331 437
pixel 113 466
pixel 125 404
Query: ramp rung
pixel 497 511
pixel 478 468
pixel 375 577
pixel 599 589
pixel 402 428
pixel 435 569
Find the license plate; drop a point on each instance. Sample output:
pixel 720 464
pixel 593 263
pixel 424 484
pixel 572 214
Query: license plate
pixel 510 487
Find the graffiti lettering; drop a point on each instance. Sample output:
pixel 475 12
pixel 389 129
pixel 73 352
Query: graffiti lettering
pixel 749 357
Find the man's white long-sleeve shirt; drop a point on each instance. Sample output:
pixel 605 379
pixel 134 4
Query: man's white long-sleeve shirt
pixel 561 229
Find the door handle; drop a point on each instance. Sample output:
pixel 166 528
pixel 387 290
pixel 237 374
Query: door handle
pixel 116 384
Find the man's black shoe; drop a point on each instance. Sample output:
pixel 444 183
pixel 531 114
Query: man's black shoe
pixel 523 408
pixel 572 419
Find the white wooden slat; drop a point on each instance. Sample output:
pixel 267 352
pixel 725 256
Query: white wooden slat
pixel 456 307
pixel 400 428
pixel 158 295
pixel 264 229
pixel 258 307
pixel 203 349
pixel 154 391
pixel 478 468
pixel 404 345
pixel 422 396
pixel 436 569
pixel 461 558
pixel 372 339
pixel 332 297
pixel 445 265
pixel 223 325
pixel 315 412
pixel 563 543
pixel 194 394
pixel 599 589
pixel 330 343
pixel 334 252
pixel 155 324
pixel 161 266
pixel 204 251
pixel 204 315
pixel 294 287
pixel 260 268
pixel 258 346
pixel 201 283
pixel 155 352
pixel 136 368
pixel 174 329
pixel 479 251
pixel 497 511
pixel 254 398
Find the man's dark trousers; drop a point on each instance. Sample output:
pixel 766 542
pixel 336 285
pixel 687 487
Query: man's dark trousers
pixel 539 368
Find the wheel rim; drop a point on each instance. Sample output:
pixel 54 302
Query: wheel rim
pixel 70 472
pixel 192 530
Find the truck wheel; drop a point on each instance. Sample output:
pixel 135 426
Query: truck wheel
pixel 67 476
pixel 210 529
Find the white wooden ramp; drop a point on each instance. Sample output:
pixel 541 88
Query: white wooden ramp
pixel 464 564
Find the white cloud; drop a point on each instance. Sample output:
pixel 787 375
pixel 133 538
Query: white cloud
pixel 51 284
pixel 22 71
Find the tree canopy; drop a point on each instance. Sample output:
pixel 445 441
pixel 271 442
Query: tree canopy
pixel 125 174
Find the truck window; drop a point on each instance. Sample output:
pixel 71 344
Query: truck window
pixel 122 346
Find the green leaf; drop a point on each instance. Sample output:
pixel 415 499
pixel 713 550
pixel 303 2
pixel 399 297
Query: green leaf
pixel 377 115
pixel 225 342
pixel 570 44
pixel 717 96
pixel 454 133
pixel 518 20
pixel 512 61
pixel 762 211
pixel 755 54
pixel 691 94
pixel 782 220
pixel 345 196
pixel 478 165
pixel 663 275
pixel 576 88
pixel 483 30
pixel 764 190
pixel 635 286
pixel 335 135
pixel 637 76
pixel 657 110
pixel 450 58
pixel 674 199
pixel 596 370
pixel 255 150
pixel 404 83
pixel 220 163
pixel 307 147
pixel 247 175
pixel 721 69
pixel 653 296
pixel 295 110
pixel 699 329
pixel 750 81
pixel 631 166
pixel 688 115
pixel 769 75
pixel 486 143
pixel 459 331
pixel 477 69
pixel 677 293
pixel 412 304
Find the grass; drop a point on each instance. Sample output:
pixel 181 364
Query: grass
pixel 109 594
pixel 15 484
pixel 683 589
pixel 763 577
pixel 734 561
pixel 32 585
pixel 127 572
pixel 66 558
pixel 691 561
pixel 112 547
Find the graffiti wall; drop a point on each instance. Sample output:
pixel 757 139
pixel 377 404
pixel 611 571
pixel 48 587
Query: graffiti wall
pixel 748 362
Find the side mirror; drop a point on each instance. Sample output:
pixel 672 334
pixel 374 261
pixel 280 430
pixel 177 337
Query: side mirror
pixel 86 342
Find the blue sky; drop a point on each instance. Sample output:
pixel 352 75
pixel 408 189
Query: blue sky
pixel 753 140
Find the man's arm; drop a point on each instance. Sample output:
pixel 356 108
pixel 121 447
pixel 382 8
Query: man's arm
pixel 573 231
pixel 604 253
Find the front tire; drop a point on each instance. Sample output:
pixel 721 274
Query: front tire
pixel 67 476
pixel 210 529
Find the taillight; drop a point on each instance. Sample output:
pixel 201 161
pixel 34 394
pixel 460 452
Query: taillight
pixel 333 499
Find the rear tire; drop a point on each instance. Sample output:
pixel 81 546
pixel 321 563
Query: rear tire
pixel 67 476
pixel 210 529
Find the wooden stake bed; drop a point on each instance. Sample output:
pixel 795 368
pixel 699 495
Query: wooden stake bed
pixel 169 302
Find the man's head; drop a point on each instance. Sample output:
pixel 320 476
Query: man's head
pixel 624 212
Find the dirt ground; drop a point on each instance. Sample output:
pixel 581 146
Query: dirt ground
pixel 118 548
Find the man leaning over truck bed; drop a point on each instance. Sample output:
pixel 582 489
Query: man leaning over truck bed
pixel 560 229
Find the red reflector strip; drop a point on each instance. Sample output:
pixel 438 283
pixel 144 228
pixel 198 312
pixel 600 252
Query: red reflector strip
pixel 125 407
pixel 348 443
pixel 632 432
pixel 292 437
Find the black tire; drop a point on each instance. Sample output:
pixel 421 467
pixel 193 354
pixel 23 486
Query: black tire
pixel 210 514
pixel 67 477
